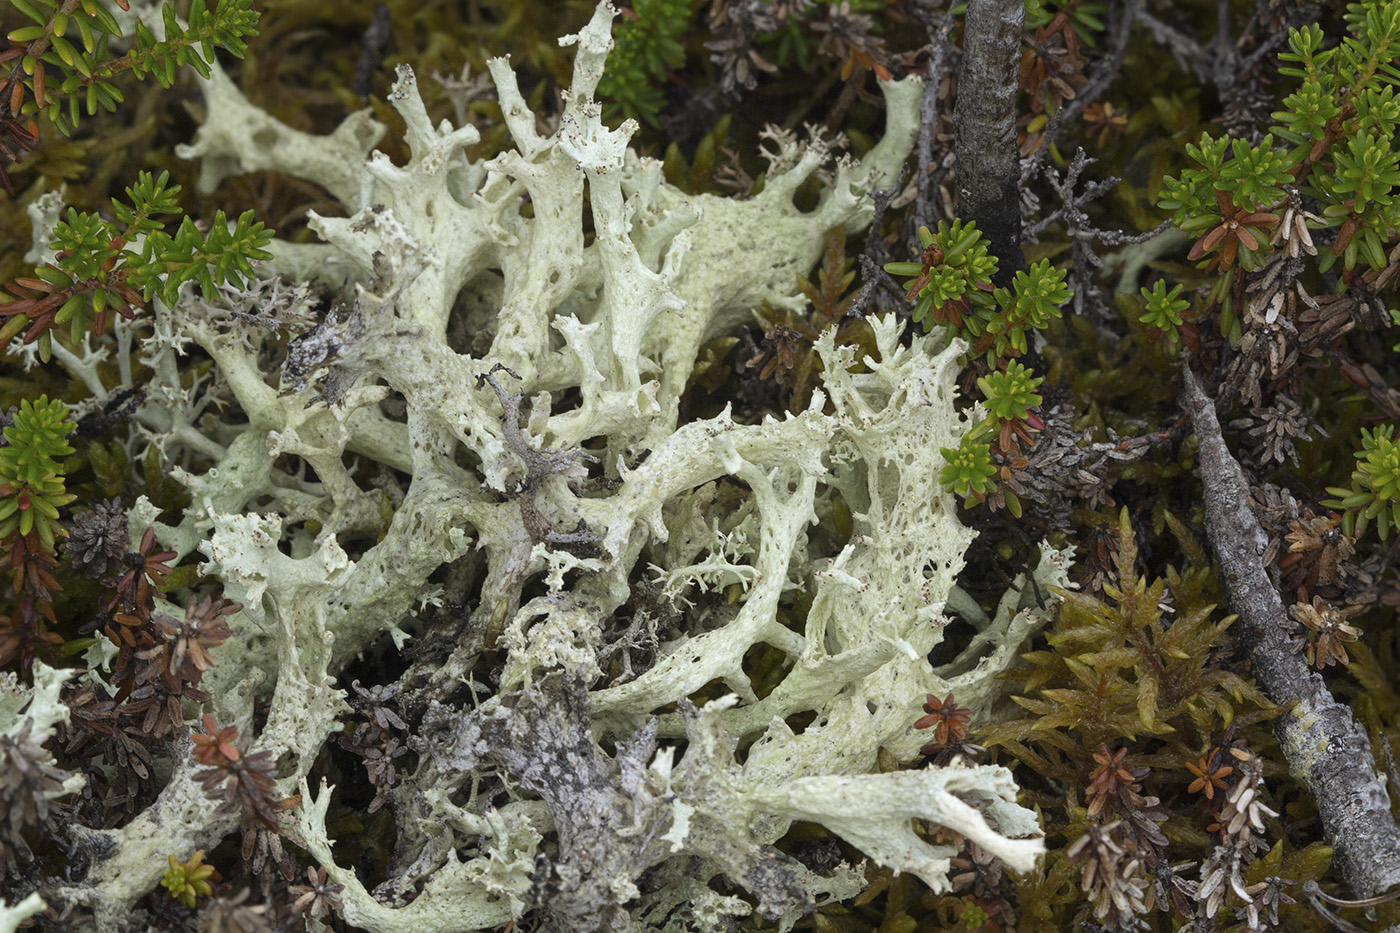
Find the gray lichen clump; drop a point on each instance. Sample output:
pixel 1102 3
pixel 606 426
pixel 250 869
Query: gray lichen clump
pixel 428 404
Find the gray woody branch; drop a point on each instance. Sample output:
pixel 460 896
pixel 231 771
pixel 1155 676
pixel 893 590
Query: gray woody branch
pixel 989 172
pixel 1320 737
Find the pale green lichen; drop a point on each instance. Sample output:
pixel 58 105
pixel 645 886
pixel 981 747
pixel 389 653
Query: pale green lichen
pixel 495 470
pixel 11 916
pixel 34 710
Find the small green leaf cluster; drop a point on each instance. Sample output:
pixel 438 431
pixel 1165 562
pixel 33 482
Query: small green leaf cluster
pixel 1347 93
pixel 85 67
pixel 94 271
pixel 951 284
pixel 1009 395
pixel 1252 177
pixel 223 255
pixel 973 917
pixel 793 46
pixel 188 881
pixel 1374 494
pixel 1031 303
pixel 1227 201
pixel 968 470
pixel 31 480
pixel 1084 18
pixel 1360 199
pixel 225 27
pixel 1163 309
pixel 953 274
pixel 1336 147
pixel 646 45
pixel 1353 75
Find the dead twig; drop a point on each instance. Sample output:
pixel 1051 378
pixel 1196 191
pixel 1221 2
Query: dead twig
pixel 1320 737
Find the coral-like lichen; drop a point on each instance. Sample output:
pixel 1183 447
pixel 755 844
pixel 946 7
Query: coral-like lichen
pixel 461 290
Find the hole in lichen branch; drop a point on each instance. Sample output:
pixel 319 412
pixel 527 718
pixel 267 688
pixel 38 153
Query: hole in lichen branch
pixel 297 540
pixel 815 847
pixel 466 458
pixel 294 471
pixel 956 636
pixel 766 667
pixel 597 447
pixel 808 194
pixel 799 722
pixel 394 406
pixel 711 691
pixel 567 401
pixel 366 737
pixel 355 544
pixel 476 314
